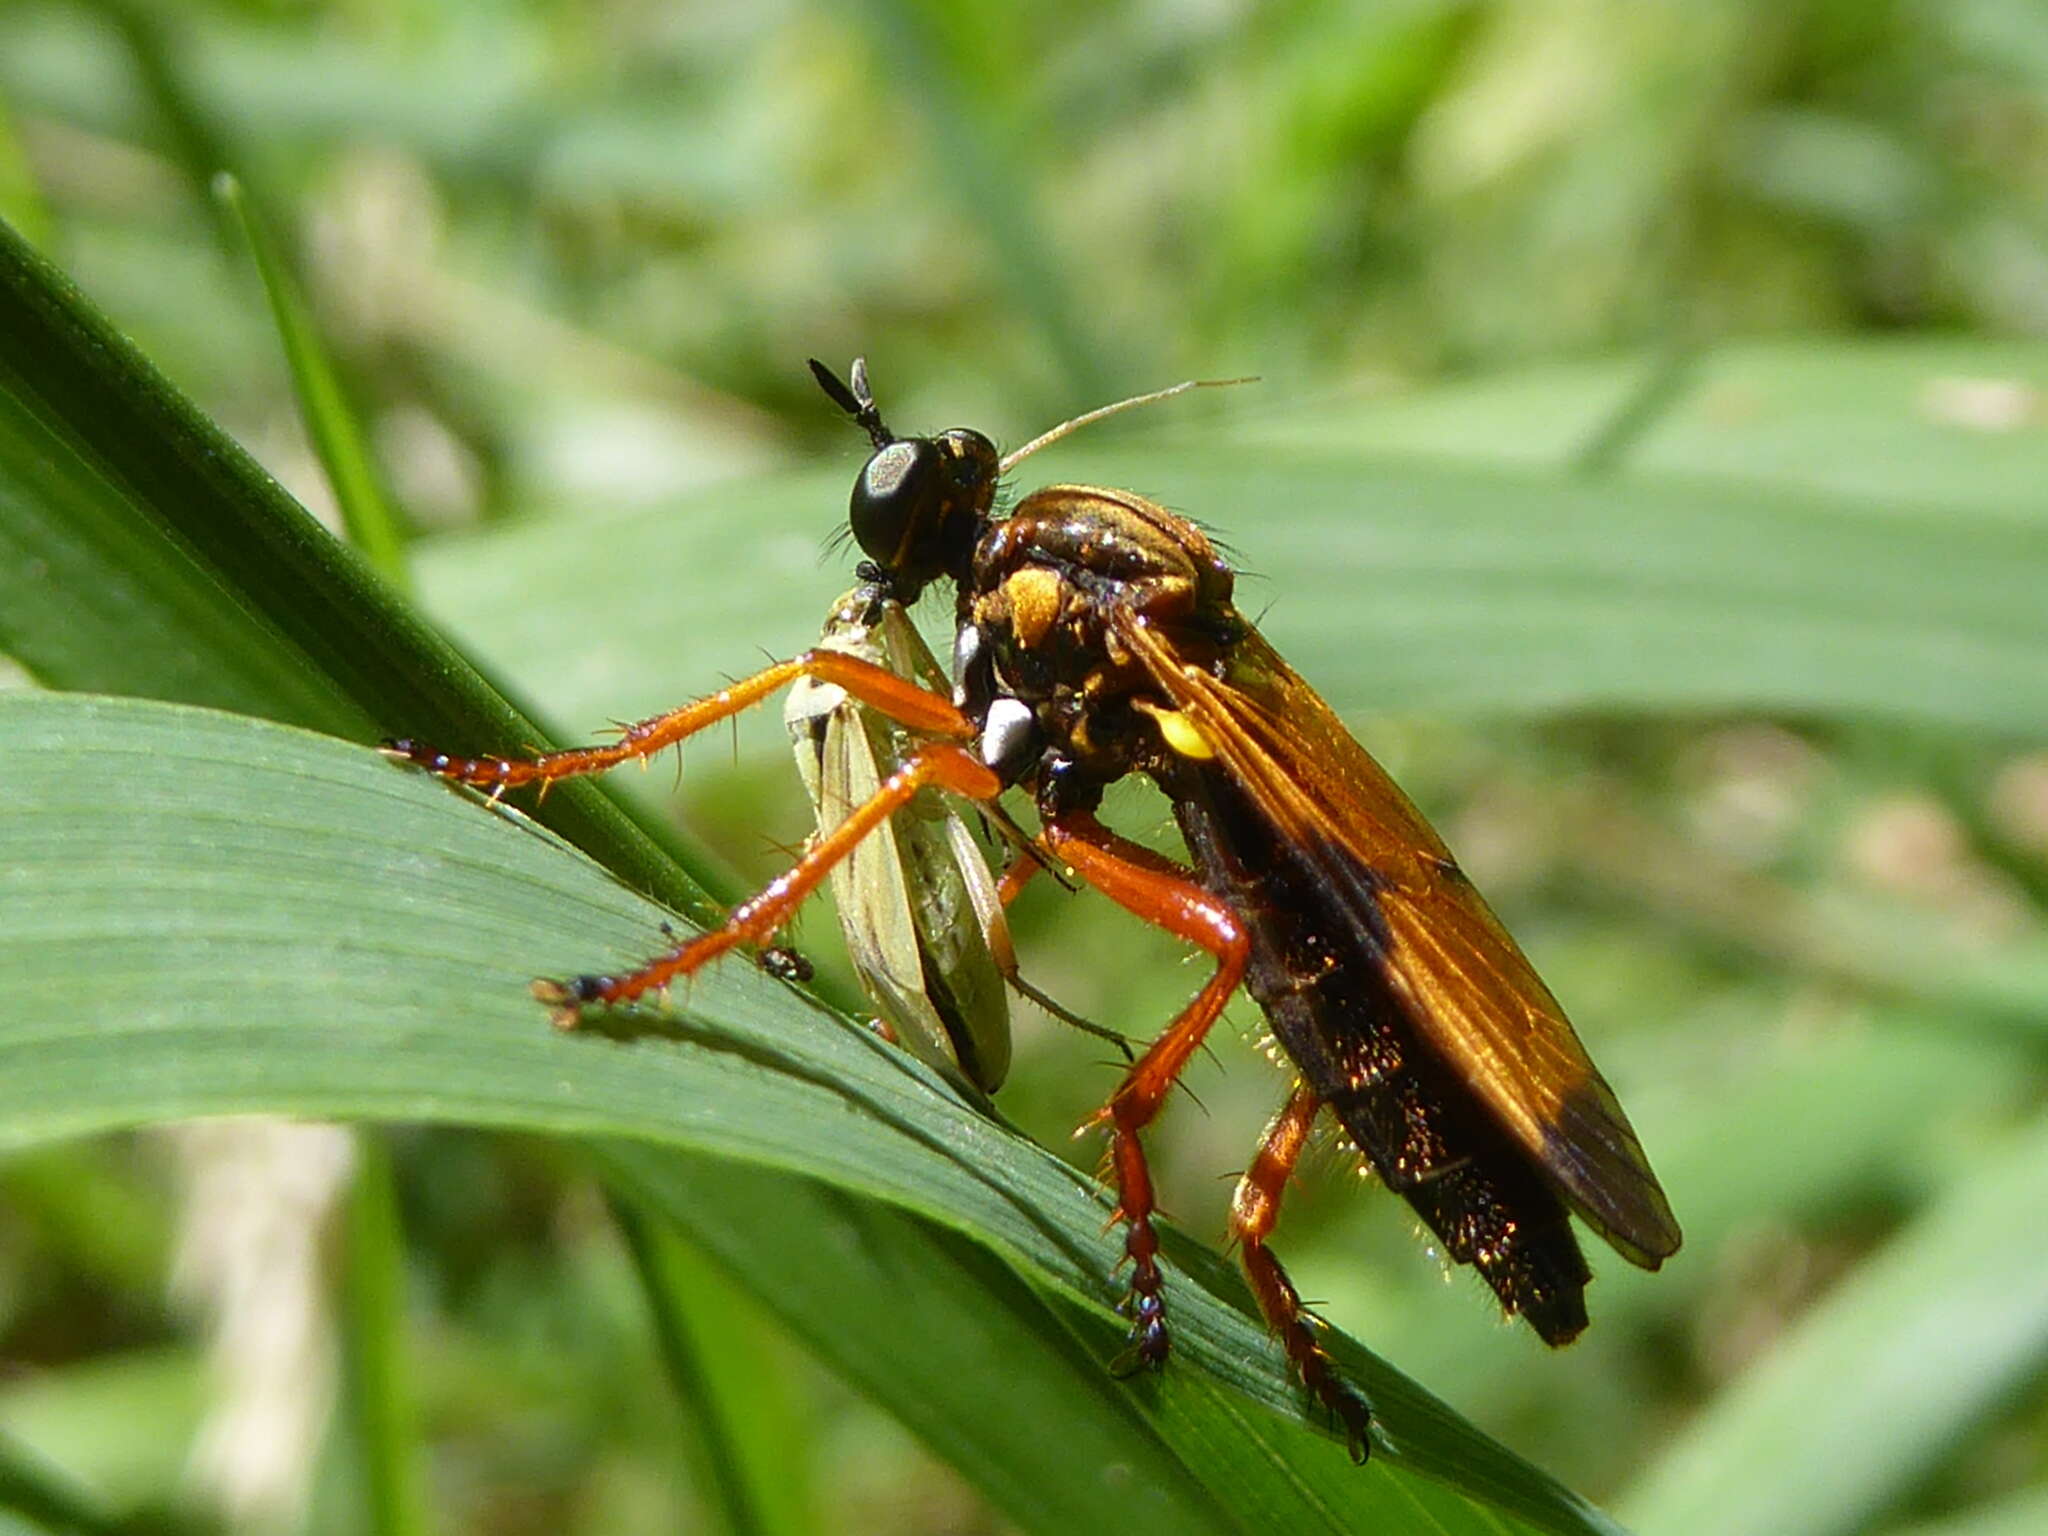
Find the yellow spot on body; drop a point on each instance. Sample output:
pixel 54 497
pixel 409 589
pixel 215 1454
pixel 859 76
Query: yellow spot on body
pixel 1034 598
pixel 1179 730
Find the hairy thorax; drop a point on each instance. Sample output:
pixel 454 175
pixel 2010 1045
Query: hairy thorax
pixel 1050 588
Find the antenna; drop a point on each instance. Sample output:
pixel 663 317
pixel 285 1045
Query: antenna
pixel 1087 418
pixel 858 401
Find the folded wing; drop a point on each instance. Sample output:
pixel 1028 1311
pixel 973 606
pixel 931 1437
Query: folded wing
pixel 1468 988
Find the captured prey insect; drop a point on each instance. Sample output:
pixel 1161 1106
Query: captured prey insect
pixel 1095 637
pixel 920 909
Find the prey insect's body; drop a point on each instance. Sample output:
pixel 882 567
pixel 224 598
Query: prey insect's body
pixel 1096 638
pixel 921 910
pixel 918 905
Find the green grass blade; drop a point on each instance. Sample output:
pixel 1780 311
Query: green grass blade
pixel 1884 1378
pixel 2023 1514
pixel 142 551
pixel 40 1495
pixel 955 87
pixel 1432 588
pixel 926 1321
pixel 119 1425
pixel 377 1394
pixel 358 485
pixel 207 914
pixel 1664 383
pixel 195 141
pixel 972 1342
pixel 1877 421
pixel 722 1367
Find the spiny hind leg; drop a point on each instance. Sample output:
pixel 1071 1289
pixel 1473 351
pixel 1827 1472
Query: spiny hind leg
pixel 1254 1212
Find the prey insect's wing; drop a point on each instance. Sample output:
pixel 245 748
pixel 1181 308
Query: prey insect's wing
pixel 955 909
pixel 914 906
pixel 1467 987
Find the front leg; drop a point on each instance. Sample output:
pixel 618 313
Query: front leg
pixel 909 704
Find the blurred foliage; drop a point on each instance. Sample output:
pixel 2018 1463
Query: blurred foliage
pixel 1682 367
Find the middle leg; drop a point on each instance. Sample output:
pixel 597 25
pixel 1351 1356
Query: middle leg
pixel 943 763
pixel 1162 893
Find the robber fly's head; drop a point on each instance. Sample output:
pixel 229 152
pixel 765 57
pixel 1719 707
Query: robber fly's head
pixel 920 503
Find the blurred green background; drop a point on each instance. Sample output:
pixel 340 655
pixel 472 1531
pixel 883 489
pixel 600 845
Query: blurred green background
pixel 1675 374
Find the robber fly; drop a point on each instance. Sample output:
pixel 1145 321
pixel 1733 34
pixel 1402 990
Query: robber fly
pixel 1095 637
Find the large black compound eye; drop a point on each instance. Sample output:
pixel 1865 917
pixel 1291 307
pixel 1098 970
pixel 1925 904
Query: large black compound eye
pixel 920 504
pixel 902 487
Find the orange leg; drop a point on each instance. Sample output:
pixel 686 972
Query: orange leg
pixel 1254 1211
pixel 944 763
pixel 1161 893
pixel 907 703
